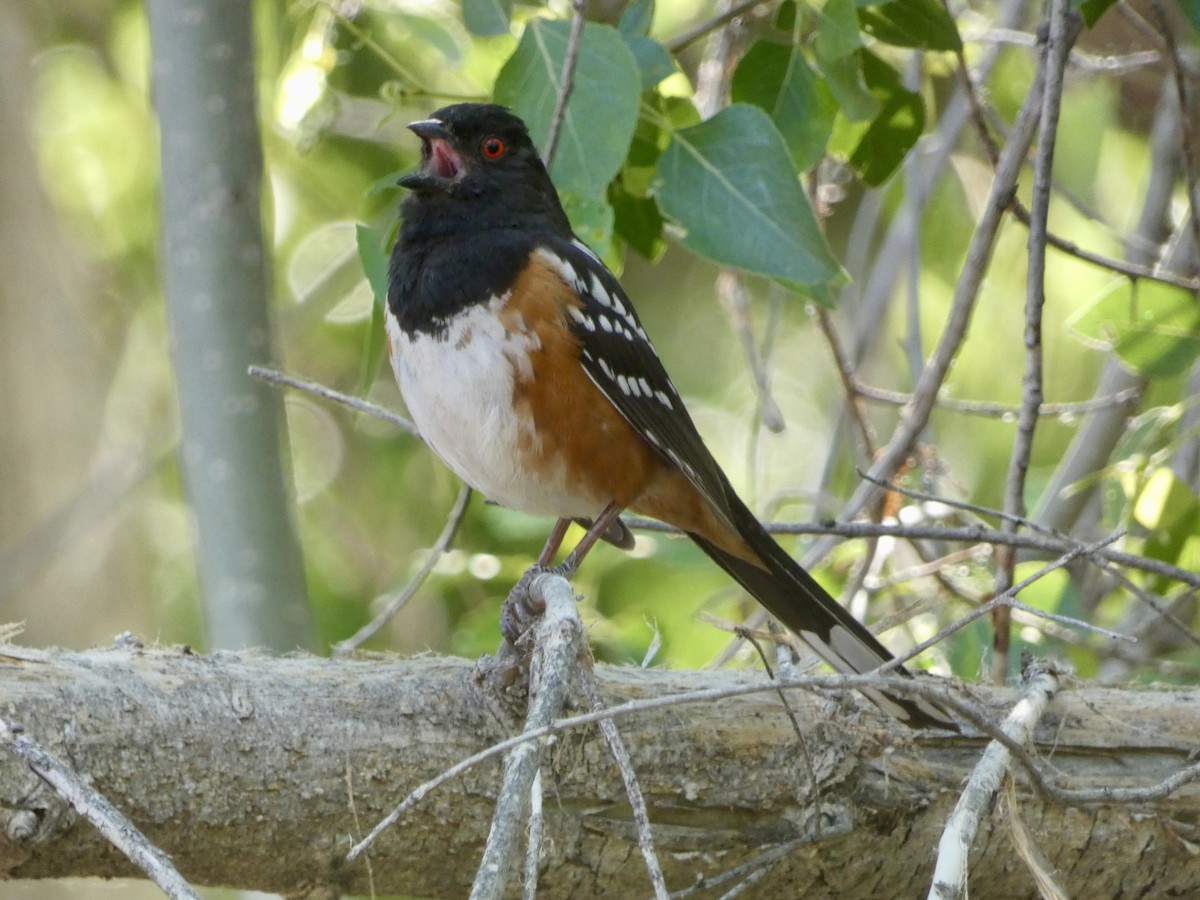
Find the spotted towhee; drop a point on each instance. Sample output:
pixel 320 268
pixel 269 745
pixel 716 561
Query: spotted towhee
pixel 527 371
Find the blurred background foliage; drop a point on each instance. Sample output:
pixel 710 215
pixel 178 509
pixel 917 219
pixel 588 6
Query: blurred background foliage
pixel 95 533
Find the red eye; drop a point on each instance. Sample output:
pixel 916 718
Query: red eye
pixel 493 148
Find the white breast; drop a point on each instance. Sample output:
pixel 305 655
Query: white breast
pixel 458 387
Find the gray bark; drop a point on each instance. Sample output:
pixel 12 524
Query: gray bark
pixel 215 280
pixel 241 768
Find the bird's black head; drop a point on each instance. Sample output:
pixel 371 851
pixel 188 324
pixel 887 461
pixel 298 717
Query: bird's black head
pixel 478 163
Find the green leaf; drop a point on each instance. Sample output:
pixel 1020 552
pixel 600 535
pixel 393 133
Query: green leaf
pixel 1153 327
pixel 838 40
pixel 386 183
pixel 775 78
pixel 894 130
pixel 1093 9
pixel 592 221
pixel 374 258
pixel 730 184
pixel 923 24
pixel 1191 9
pixel 837 30
pixel 601 113
pixel 653 61
pixel 637 19
pixel 639 222
pixel 785 19
pixel 487 18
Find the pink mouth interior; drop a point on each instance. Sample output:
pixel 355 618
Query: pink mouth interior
pixel 443 161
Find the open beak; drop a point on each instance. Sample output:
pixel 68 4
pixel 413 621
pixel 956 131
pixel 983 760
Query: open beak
pixel 441 165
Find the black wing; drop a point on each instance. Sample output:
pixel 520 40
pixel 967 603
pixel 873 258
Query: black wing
pixel 619 359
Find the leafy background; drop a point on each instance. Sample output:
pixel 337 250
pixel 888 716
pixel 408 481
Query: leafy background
pixel 794 177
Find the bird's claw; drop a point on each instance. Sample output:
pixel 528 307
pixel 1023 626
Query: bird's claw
pixel 522 608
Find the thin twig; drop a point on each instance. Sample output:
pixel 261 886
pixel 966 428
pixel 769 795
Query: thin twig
pixel 732 294
pixel 273 376
pixel 94 807
pixel 559 637
pixel 633 790
pixel 696 32
pixel 845 371
pixel 1055 63
pixel 533 844
pixel 1121 267
pixel 974 534
pixel 950 874
pixel 357 824
pixel 1008 598
pixel 401 597
pixel 916 414
pixel 574 43
pixel 1191 170
pixel 1001 410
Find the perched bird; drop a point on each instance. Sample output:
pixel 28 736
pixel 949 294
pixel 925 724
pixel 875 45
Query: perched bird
pixel 525 367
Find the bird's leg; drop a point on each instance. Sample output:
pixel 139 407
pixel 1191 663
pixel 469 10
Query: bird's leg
pixel 553 542
pixel 521 608
pixel 569 565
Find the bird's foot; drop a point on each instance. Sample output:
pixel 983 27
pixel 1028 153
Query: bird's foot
pixel 522 608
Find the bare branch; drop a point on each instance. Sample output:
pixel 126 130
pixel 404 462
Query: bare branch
pixel 1127 397
pixel 274 376
pixel 401 597
pixel 559 639
pixel 94 807
pixel 574 43
pixel 950 875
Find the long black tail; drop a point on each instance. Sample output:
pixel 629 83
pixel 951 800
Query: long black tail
pixel 796 599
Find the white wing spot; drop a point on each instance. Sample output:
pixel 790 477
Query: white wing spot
pixel 586 249
pixel 623 384
pixel 652 438
pixel 664 399
pixel 606 369
pixel 605 324
pixel 600 293
pixel 564 269
pixel 645 386
pixel 578 315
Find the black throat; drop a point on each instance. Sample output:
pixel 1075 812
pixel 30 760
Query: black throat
pixel 452 254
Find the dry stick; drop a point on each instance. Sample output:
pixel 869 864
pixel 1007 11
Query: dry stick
pixel 1027 848
pixel 975 534
pixel 1000 410
pixel 732 293
pixel 400 598
pixel 950 874
pixel 633 790
pixel 689 37
pixel 559 637
pixel 1097 558
pixel 1054 64
pixel 1191 170
pixel 1008 598
pixel 357 824
pixel 845 370
pixel 574 42
pixel 1121 267
pixel 273 376
pixel 916 414
pixel 92 805
pixel 927 689
pixel 533 847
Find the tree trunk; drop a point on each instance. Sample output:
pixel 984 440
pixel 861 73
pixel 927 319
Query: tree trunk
pixel 242 768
